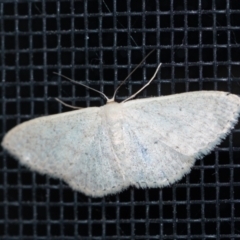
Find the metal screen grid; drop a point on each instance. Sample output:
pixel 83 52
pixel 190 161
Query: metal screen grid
pixel 99 43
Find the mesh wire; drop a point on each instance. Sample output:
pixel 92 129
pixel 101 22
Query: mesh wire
pixel 98 43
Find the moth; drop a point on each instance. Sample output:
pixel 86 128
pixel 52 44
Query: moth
pixel 151 142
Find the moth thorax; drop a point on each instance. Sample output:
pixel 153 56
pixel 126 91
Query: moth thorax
pixel 113 118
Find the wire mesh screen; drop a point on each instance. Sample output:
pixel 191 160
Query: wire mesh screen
pixel 98 43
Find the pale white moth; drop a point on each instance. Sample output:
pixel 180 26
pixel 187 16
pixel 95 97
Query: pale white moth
pixel 145 143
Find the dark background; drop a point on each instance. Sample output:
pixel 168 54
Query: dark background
pixel 98 43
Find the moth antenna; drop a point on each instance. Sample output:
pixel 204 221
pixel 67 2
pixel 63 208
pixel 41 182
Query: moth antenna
pixel 67 105
pixel 73 81
pixel 115 92
pixel 154 75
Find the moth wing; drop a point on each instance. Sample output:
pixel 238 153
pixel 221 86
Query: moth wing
pixel 164 135
pixel 72 146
